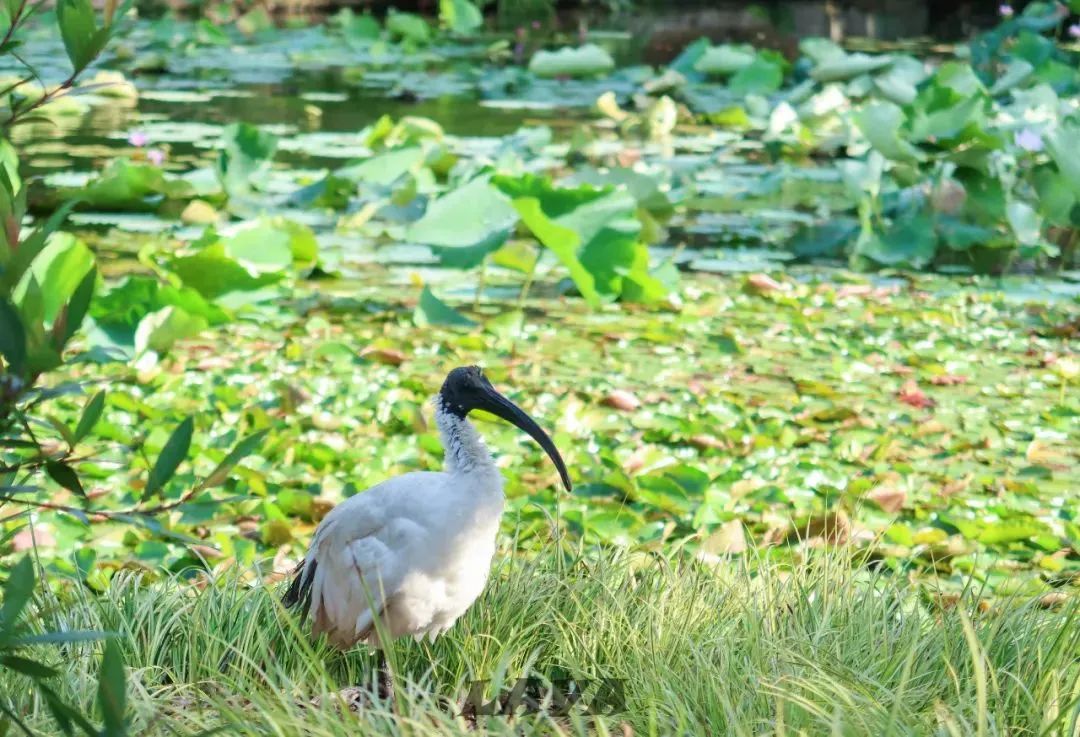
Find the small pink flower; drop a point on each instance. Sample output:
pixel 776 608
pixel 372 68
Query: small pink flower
pixel 520 32
pixel 155 156
pixel 137 139
pixel 1074 30
pixel 536 25
pixel 1028 139
pixel 1005 10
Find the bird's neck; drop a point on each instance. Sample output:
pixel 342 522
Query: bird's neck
pixel 466 452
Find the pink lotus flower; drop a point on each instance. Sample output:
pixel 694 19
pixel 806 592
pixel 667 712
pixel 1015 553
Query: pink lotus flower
pixel 1074 30
pixel 138 139
pixel 155 156
pixel 1005 10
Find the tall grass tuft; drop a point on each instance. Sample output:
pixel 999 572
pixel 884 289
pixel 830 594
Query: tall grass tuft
pixel 829 648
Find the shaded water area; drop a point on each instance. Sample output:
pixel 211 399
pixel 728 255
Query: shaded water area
pixel 263 85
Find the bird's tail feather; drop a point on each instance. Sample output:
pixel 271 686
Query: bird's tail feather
pixel 299 592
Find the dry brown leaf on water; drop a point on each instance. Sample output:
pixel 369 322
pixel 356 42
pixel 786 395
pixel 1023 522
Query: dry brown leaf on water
pixel 24 540
pixel 388 356
pixel 708 442
pixel 206 551
pixel 728 539
pixel 889 498
pixel 948 380
pixel 955 487
pixel 833 527
pixel 763 284
pixel 912 395
pixel 622 400
pixel 1053 600
pixel 636 460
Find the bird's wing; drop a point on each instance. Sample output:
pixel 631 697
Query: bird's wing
pixel 356 561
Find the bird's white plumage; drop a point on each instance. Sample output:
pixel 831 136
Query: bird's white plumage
pixel 415 549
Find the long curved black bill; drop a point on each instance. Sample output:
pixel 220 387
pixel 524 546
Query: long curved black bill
pixel 500 406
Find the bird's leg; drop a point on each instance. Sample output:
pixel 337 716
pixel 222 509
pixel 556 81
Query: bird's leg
pixel 385 678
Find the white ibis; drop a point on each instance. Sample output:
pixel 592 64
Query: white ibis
pixel 414 551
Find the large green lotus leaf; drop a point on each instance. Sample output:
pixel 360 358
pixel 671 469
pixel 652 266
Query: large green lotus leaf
pixel 1063 145
pixel 1057 201
pixel 260 249
pixel 725 59
pixel 957 122
pixel 881 122
pixel 821 49
pixel 849 66
pixel 986 198
pixel 246 152
pixel 1025 222
pixel 685 62
pixel 584 61
pixel 408 27
pixel 357 28
pixel 466 224
pixel 274 244
pixel 214 274
pixel 555 201
pixel 1016 72
pixel 960 235
pixel 159 330
pixel 431 310
pixel 645 188
pixel 58 270
pixel 561 241
pixel 460 16
pixel 910 241
pixel 127 186
pixel 761 77
pixel 594 233
pixel 386 168
pixel 959 78
pixel 826 240
pixel 899 83
pixel 127 303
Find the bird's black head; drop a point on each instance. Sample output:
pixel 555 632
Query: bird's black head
pixel 463 388
pixel 466 388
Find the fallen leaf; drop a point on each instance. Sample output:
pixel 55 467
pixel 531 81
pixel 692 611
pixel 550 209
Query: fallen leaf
pixel 1053 600
pixel 389 356
pixel 911 394
pixel 889 498
pixel 834 527
pixel 627 157
pixel 621 400
pixel 206 551
pixel 708 442
pixel 955 487
pixel 636 460
pixel 24 540
pixel 727 539
pixel 948 380
pixel 763 284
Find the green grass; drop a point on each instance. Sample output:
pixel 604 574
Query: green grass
pixel 825 648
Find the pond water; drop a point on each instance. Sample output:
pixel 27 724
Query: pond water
pixel 316 94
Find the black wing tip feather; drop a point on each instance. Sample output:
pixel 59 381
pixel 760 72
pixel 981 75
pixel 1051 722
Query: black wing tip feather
pixel 299 591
